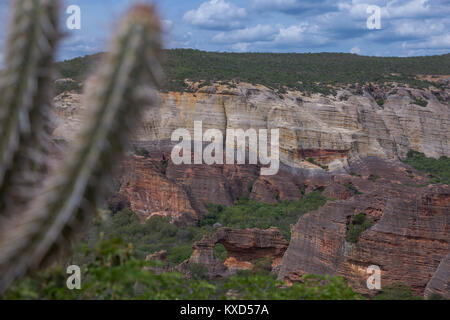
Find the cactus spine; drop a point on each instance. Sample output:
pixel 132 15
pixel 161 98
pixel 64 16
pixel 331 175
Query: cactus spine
pixel 115 98
pixel 25 99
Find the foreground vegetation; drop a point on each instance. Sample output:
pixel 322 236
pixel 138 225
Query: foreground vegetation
pixel 114 272
pixel 114 247
pixel 112 260
pixel 313 72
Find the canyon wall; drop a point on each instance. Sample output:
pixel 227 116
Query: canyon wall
pixel 332 130
pixel 408 238
pixel 346 146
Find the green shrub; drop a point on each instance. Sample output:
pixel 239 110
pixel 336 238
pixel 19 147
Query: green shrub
pixel 380 102
pixel 438 169
pixel 358 225
pixel 220 252
pixel 420 102
pixel 248 286
pixel 352 188
pixel 247 213
pixel 397 291
pixel 114 273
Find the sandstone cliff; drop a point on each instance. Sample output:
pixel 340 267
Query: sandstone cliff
pixel 332 130
pixel 408 239
pixel 347 136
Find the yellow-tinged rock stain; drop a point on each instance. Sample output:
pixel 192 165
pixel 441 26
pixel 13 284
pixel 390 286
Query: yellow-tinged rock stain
pixel 185 102
pixel 233 263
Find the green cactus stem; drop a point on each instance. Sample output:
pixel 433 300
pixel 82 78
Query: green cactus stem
pixel 122 88
pixel 25 99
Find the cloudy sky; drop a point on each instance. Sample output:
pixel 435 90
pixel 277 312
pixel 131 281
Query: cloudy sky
pixel 408 27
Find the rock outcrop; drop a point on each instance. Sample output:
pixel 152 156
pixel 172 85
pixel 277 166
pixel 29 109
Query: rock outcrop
pixel 334 144
pixel 244 249
pixel 440 282
pixel 409 237
pixel 332 130
pixel 151 193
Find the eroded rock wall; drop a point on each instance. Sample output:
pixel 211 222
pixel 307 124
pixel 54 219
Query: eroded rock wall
pixel 409 238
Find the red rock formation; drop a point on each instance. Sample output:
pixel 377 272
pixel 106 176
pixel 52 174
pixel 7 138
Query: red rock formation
pixel 244 248
pixel 408 240
pixel 153 185
pixel 440 282
pixel 151 193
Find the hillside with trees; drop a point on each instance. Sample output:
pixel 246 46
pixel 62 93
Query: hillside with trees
pixel 309 72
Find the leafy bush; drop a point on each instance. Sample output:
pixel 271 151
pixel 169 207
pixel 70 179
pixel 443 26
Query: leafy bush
pixel 150 236
pixel 352 188
pixel 67 86
pixel 420 102
pixel 220 252
pixel 397 291
pixel 358 225
pixel 141 152
pixel 438 169
pixel 249 286
pixel 114 273
pixel 247 213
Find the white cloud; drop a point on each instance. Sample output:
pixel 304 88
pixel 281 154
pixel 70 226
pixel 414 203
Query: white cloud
pixel 301 35
pixel 423 29
pixel 292 34
pixel 355 50
pixel 435 42
pixel 267 37
pixel 216 14
pixel 252 34
pixel 240 47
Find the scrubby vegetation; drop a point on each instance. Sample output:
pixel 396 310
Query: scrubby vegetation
pixel 114 272
pixel 420 102
pixel 352 188
pixel 251 214
pixel 397 291
pixel 312 72
pixel 358 225
pixel 112 255
pixel 158 233
pixel 437 169
pixel 147 237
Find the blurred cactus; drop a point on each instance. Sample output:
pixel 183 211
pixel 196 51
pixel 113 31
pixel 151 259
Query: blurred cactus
pixel 25 98
pixel 115 97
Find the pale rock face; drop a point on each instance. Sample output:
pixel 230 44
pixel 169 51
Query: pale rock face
pixel 330 130
pixel 68 115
